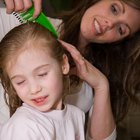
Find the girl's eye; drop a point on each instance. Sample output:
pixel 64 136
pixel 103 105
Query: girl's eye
pixel 21 82
pixel 43 74
pixel 114 9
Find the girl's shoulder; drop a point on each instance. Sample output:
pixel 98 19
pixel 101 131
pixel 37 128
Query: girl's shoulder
pixel 24 124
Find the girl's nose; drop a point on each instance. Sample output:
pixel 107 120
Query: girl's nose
pixel 35 88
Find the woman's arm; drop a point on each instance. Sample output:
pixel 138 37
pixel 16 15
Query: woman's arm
pixel 23 5
pixel 102 122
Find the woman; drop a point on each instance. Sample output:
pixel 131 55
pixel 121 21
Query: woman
pixel 86 27
pixel 106 32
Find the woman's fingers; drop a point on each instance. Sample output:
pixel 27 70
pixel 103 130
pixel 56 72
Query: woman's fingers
pixel 84 69
pixel 26 4
pixel 23 5
pixel 38 7
pixel 81 63
pixel 9 6
pixel 73 51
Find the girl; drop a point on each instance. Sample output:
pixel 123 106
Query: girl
pixel 33 65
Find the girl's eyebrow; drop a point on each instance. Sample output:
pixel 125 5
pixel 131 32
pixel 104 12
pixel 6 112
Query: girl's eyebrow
pixel 42 66
pixel 15 76
pixel 36 69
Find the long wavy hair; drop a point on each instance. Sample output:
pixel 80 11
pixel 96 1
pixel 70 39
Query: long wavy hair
pixel 119 61
pixel 10 47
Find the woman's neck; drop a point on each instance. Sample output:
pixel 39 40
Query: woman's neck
pixel 82 43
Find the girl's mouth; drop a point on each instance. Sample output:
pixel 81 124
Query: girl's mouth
pixel 40 101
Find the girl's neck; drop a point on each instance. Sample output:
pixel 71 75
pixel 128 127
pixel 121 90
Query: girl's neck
pixel 58 105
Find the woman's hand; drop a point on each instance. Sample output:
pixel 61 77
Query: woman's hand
pixel 101 120
pixel 85 70
pixel 23 5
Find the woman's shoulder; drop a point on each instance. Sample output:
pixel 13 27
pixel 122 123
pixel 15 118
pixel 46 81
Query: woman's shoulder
pixel 73 108
pixel 75 112
pixel 83 99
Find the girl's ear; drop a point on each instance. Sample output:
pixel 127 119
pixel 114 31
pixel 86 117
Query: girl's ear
pixel 65 64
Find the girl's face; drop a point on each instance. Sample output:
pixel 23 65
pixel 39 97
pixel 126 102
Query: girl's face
pixel 38 78
pixel 109 21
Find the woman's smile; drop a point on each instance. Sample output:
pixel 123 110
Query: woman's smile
pixel 97 27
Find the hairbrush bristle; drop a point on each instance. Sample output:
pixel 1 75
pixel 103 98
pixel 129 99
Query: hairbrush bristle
pixel 18 17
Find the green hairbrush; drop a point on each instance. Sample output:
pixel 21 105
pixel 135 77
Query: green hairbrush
pixel 41 19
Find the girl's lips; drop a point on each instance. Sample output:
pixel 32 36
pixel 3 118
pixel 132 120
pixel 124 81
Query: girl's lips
pixel 40 101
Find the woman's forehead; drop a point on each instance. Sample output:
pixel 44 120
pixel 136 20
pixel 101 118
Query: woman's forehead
pixel 133 16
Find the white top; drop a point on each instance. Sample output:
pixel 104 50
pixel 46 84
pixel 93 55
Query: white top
pixel 7 21
pixel 84 100
pixel 28 123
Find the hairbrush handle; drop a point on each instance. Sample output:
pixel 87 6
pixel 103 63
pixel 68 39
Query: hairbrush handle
pixel 44 21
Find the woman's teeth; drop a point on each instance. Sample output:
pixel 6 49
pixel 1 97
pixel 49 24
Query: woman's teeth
pixel 97 26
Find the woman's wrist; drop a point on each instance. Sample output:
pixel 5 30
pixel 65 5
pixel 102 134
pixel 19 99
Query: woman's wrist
pixel 102 87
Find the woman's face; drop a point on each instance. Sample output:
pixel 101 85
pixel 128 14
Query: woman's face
pixel 109 21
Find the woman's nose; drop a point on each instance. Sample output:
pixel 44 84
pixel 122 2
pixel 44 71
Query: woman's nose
pixel 109 24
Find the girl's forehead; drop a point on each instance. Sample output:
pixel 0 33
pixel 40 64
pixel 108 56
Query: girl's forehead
pixel 27 48
pixel 37 45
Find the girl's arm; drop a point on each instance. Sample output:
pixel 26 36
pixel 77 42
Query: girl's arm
pixel 102 125
pixel 23 5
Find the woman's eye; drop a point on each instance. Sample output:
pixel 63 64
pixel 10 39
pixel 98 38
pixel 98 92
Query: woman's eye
pixel 114 9
pixel 120 30
pixel 43 74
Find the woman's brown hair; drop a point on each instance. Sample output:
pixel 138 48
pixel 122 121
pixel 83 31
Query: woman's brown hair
pixel 119 61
